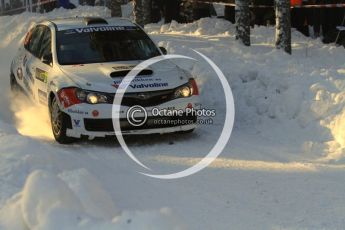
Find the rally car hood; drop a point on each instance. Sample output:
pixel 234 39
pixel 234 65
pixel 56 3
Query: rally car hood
pixel 106 77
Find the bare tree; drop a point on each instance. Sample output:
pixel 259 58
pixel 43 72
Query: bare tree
pixel 186 10
pixel 2 7
pixel 283 25
pixel 142 12
pixel 242 18
pixel 115 7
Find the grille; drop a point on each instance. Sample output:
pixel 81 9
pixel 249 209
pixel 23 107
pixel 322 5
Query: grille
pixel 145 99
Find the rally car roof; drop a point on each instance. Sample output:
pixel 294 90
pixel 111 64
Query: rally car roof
pixel 84 22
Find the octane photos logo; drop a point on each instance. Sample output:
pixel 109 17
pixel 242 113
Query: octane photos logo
pixel 216 149
pixel 137 116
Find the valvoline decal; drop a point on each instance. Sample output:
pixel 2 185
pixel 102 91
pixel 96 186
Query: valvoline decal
pixel 142 85
pixel 150 85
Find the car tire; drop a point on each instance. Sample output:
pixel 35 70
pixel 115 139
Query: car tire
pixel 15 88
pixel 59 122
pixel 186 131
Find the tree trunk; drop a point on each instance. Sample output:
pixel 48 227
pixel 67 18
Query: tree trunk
pixel 142 12
pixel 242 18
pixel 115 7
pixel 187 11
pixel 171 10
pixel 283 25
pixel 229 13
pixel 2 6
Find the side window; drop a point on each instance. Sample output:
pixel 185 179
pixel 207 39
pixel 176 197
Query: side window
pixel 45 48
pixel 33 44
pixel 27 39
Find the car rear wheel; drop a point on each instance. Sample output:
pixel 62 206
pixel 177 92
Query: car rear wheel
pixel 15 88
pixel 59 123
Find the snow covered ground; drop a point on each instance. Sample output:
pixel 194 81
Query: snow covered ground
pixel 283 168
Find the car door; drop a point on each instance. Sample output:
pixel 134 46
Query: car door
pixel 43 67
pixel 30 59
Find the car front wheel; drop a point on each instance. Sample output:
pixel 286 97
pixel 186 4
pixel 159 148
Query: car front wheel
pixel 186 131
pixel 59 123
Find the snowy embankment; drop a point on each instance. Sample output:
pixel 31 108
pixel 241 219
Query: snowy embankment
pixel 282 169
pixel 295 100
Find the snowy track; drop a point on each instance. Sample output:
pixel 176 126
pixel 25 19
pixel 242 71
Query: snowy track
pixel 283 168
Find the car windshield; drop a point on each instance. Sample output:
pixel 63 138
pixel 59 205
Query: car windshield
pixel 104 44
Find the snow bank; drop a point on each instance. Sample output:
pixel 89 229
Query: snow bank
pixel 295 100
pixel 205 26
pixel 77 201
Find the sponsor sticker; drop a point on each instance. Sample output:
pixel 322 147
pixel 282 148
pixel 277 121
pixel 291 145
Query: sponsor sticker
pixel 105 28
pixel 77 111
pixel 42 94
pixel 150 85
pixel 95 113
pixel 140 86
pixel 134 81
pixel 41 75
pixel 42 97
pixel 76 123
pixel 100 29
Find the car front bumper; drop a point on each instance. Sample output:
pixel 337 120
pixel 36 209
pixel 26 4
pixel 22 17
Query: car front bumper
pixel 96 120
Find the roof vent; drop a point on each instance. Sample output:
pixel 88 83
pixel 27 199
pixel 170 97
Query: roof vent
pixel 93 20
pixel 123 73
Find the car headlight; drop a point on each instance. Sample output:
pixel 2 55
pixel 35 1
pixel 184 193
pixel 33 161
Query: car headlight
pixel 81 95
pixel 91 97
pixel 183 91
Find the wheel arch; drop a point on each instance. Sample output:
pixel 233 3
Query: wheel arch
pixel 50 98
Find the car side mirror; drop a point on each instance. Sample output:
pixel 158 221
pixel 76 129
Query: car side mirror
pixel 163 50
pixel 47 59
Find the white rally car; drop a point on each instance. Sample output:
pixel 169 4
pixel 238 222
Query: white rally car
pixel 74 67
